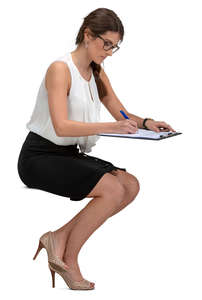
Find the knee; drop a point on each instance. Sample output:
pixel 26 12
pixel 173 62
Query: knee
pixel 115 192
pixel 136 185
pixel 133 187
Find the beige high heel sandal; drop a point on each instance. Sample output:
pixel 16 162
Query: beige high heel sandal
pixel 46 241
pixel 72 284
pixel 57 265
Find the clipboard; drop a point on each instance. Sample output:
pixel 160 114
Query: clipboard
pixel 144 134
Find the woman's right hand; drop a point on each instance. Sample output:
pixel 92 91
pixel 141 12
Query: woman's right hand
pixel 125 126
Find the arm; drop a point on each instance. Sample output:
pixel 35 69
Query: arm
pixel 76 128
pixel 114 105
pixel 58 81
pixel 136 119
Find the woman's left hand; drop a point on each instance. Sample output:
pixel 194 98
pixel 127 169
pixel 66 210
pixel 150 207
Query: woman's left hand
pixel 158 126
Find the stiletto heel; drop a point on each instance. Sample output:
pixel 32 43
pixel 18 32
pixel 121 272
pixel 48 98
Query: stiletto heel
pixel 39 249
pixel 72 284
pixel 53 277
pixel 55 264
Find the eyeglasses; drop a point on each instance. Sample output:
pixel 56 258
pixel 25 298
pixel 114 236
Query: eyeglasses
pixel 108 45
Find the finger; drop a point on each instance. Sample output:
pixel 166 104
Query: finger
pixel 161 129
pixel 156 129
pixel 164 129
pixel 169 128
pixel 164 126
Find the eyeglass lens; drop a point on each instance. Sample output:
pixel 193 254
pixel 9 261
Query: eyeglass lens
pixel 108 47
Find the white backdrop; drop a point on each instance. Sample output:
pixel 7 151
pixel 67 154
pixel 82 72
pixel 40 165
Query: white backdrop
pixel 152 249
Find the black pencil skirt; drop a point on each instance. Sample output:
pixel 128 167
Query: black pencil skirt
pixel 61 170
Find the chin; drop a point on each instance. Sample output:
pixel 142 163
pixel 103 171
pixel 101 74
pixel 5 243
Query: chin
pixel 98 60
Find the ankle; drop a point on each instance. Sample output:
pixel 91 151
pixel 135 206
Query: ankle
pixel 70 261
pixel 59 232
pixel 60 236
pixel 63 232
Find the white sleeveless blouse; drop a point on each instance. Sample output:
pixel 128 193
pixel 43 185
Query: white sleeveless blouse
pixel 83 105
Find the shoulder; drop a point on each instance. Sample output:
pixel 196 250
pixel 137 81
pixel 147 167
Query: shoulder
pixel 58 71
pixel 58 68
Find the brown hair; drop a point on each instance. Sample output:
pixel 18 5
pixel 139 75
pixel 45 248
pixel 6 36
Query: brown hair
pixel 99 21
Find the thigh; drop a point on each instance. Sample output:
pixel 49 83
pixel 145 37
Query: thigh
pixel 51 173
pixel 108 185
pixel 71 176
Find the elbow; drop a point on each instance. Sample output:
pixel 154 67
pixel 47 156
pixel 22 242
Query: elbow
pixel 58 133
pixel 59 130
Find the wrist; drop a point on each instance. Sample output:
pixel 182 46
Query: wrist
pixel 107 127
pixel 144 122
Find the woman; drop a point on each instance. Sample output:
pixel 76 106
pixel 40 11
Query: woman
pixel 66 115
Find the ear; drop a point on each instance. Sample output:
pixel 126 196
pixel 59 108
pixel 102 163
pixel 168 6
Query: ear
pixel 88 33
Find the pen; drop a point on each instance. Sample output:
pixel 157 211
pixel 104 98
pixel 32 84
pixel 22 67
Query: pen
pixel 125 116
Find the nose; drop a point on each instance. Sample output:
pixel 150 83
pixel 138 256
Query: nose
pixel 109 52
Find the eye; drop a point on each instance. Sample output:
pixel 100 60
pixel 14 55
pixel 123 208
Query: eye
pixel 108 43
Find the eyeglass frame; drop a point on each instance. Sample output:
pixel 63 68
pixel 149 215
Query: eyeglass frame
pixel 112 47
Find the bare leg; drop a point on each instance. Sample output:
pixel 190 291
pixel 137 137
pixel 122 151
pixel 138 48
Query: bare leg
pixel 61 235
pixel 96 212
pixel 131 189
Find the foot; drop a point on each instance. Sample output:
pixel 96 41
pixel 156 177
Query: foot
pixel 60 239
pixel 74 271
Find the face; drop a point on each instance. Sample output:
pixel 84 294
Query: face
pixel 95 46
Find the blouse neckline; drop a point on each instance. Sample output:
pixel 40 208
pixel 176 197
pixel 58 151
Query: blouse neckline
pixel 87 81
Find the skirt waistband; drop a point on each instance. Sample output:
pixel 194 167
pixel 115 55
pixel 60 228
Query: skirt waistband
pixel 33 139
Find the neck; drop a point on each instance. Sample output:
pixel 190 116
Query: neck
pixel 81 59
